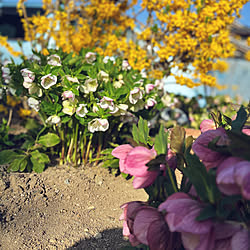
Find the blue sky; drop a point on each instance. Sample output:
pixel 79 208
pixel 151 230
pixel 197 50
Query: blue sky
pixel 245 14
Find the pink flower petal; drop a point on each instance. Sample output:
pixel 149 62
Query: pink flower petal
pixel 225 176
pixel 242 177
pixel 182 212
pixel 137 159
pixel 144 181
pixel 209 157
pixel 207 125
pixel 241 240
pixel 144 217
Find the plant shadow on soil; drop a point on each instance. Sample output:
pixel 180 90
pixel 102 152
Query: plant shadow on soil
pixel 117 242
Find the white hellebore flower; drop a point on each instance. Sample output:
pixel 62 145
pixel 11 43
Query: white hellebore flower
pixel 103 76
pixel 28 77
pixel 125 65
pixel 90 85
pixel 68 94
pixel 135 95
pixel 149 88
pixel 48 81
pixel 82 110
pixel 69 107
pixel 98 125
pixel 35 90
pixel 107 103
pixel 159 84
pixel 150 103
pixel 54 60
pixel 138 106
pixel 33 103
pixel 120 109
pixel 107 58
pixel 53 119
pixel 90 57
pixel 72 79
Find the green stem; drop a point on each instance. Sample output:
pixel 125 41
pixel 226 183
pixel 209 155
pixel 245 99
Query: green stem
pixel 99 148
pixel 88 148
pixel 172 179
pixel 75 142
pixel 61 133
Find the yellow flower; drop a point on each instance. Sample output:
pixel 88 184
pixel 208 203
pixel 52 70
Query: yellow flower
pixel 3 109
pixel 12 101
pixel 24 112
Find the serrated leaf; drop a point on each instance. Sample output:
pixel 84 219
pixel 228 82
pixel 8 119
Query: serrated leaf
pixel 161 141
pixel 6 156
pixel 135 134
pixel 49 140
pixel 177 139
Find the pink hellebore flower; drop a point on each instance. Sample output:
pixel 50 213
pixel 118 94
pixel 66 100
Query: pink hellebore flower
pixel 210 158
pixel 90 57
pixel 128 215
pixel 135 164
pixel 72 79
pixel 182 212
pixel 207 125
pixel 150 228
pixel 48 81
pixel 121 153
pixel 233 177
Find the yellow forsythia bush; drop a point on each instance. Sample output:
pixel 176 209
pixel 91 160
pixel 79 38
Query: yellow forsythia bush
pixel 179 33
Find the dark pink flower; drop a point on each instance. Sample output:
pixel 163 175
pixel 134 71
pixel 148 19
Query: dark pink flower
pixel 151 229
pixel 241 240
pixel 207 125
pixel 121 152
pixel 209 157
pixel 182 212
pixel 128 215
pixel 233 177
pixel 225 176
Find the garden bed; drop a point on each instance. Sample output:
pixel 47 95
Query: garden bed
pixel 63 208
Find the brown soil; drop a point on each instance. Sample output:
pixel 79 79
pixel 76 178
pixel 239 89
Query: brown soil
pixel 63 208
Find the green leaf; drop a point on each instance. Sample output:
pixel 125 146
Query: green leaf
pixel 38 167
pixel 17 163
pixel 240 144
pixel 161 141
pixel 6 156
pixel 39 157
pixel 207 213
pixel 23 164
pixel 177 139
pixel 143 130
pixel 135 134
pixel 49 140
pixel 240 120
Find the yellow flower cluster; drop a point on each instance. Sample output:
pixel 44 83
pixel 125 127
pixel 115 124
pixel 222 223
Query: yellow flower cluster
pixel 247 55
pixel 180 33
pixel 221 66
pixel 248 41
pixel 5 44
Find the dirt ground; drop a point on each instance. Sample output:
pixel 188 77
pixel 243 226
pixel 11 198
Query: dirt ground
pixel 63 208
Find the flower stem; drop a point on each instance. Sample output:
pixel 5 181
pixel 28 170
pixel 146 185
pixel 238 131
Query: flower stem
pixel 88 148
pixel 76 143
pixel 172 179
